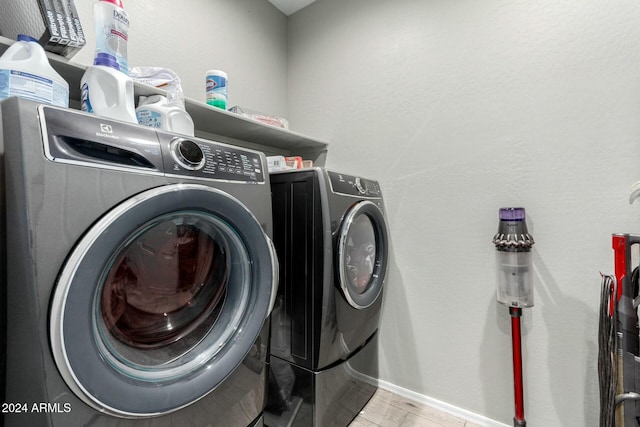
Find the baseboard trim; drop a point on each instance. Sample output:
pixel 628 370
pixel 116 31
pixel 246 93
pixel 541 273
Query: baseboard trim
pixel 440 405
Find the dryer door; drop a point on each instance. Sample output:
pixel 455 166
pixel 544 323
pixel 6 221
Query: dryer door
pixel 362 254
pixel 163 298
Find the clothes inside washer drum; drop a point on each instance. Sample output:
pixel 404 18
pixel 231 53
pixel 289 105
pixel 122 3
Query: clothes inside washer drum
pixel 360 254
pixel 164 285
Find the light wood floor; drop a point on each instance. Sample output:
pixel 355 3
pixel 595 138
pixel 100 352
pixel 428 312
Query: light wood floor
pixel 386 409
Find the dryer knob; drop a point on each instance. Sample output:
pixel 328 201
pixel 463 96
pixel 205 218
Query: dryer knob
pixel 187 153
pixel 361 189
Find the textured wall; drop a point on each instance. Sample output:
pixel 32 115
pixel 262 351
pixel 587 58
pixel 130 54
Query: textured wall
pixel 245 38
pixel 460 108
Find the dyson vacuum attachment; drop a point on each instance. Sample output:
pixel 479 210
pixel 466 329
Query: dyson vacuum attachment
pixel 515 287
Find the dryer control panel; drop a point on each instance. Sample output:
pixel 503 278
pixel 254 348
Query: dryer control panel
pixel 354 186
pixel 87 140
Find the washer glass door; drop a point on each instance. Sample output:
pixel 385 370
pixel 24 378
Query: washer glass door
pixel 165 295
pixel 362 254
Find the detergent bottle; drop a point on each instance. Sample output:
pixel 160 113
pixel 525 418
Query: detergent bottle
pixel 107 92
pixel 112 31
pixel 156 111
pixel 25 72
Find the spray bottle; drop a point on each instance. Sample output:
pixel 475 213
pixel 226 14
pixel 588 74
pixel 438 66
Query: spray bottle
pixel 112 31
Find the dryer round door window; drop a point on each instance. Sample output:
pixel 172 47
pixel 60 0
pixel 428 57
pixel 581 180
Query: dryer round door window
pixel 362 254
pixel 164 296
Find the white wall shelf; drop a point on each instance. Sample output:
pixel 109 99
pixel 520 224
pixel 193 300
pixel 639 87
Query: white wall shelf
pixel 210 122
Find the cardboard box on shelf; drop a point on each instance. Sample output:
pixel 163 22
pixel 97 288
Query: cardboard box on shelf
pixel 46 20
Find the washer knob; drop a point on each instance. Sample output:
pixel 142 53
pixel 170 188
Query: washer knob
pixel 187 153
pixel 361 189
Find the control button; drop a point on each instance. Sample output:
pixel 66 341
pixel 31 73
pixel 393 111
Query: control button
pixel 187 153
pixel 361 189
pixel 190 152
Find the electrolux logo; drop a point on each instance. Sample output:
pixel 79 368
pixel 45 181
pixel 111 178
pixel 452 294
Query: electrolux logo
pixel 106 131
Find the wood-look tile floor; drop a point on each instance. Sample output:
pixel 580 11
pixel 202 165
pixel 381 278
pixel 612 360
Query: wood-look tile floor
pixel 386 409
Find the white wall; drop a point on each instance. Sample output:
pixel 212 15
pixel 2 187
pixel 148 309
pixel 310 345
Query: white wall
pixel 460 108
pixel 245 38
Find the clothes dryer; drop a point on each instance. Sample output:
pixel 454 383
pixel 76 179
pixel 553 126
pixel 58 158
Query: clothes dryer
pixel 139 274
pixel 331 238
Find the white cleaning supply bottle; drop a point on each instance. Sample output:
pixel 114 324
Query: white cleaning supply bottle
pixel 107 92
pixel 25 72
pixel 112 30
pixel 156 111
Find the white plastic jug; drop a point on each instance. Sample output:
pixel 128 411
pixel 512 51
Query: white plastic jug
pixel 25 72
pixel 107 92
pixel 156 111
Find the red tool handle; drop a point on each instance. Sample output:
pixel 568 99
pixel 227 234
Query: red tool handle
pixel 516 339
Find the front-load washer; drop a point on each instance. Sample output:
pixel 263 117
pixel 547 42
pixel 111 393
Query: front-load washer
pixel 331 238
pixel 139 274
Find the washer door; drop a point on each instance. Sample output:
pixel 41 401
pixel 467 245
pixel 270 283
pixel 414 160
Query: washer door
pixel 362 254
pixel 163 298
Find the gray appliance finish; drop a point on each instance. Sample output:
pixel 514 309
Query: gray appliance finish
pixel 331 238
pixel 138 274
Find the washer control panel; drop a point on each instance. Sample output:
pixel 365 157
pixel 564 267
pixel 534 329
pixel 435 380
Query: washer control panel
pixel 87 140
pixel 353 185
pixel 209 159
